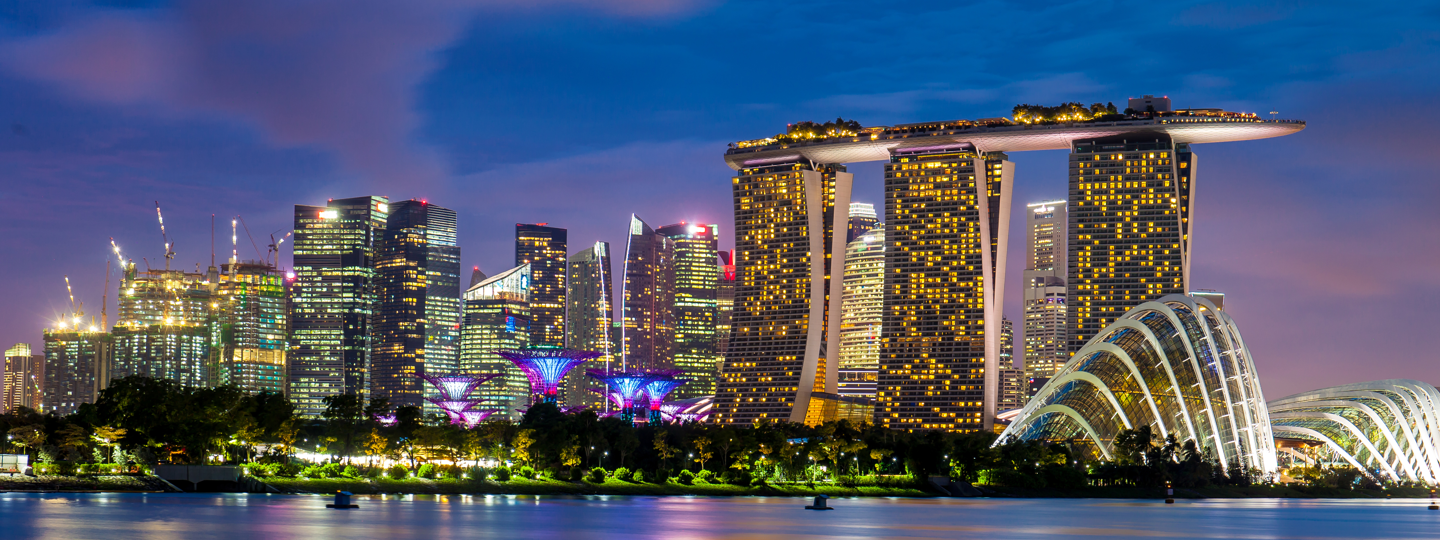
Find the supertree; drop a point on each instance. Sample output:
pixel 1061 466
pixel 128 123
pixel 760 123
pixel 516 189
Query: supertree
pixel 660 385
pixel 625 387
pixel 454 399
pixel 545 366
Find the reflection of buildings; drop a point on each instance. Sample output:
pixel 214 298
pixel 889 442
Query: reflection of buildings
pixel 544 249
pixel 862 300
pixel 784 323
pixel 948 215
pixel 694 276
pixel 588 320
pixel 24 372
pixel 333 298
pixel 1045 266
pixel 497 317
pixel 1175 364
pixel 649 296
pixel 417 329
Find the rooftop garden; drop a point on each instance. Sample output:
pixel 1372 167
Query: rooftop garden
pixel 1065 112
pixel 807 131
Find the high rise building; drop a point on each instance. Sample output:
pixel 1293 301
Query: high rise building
pixel 1007 343
pixel 167 326
pixel 1013 389
pixel 1129 228
pixel 75 363
pixel 863 303
pixel 334 298
pixel 648 293
pixel 253 337
pixel 694 278
pixel 24 372
pixel 862 219
pixel 545 250
pixel 588 316
pixel 497 317
pixel 724 303
pixel 1046 264
pixel 947 223
pixel 417 329
pixel 785 324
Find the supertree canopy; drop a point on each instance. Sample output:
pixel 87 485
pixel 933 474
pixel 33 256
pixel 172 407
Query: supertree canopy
pixel 454 399
pixel 545 366
pixel 625 387
pixel 660 385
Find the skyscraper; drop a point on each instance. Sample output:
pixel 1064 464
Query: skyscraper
pixel 75 361
pixel 863 299
pixel 724 303
pixel 589 313
pixel 948 219
pixel 545 250
pixel 785 323
pixel 24 372
pixel 694 277
pixel 1129 235
pixel 417 330
pixel 862 219
pixel 497 317
pixel 334 298
pixel 167 325
pixel 253 338
pixel 649 296
pixel 1046 262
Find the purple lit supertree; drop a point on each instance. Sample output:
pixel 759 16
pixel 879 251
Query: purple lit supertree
pixel 660 385
pixel 625 389
pixel 695 409
pixel 545 366
pixel 454 399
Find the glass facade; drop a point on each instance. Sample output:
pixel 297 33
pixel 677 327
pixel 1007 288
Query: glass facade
pixel 648 291
pixel 1176 364
pixel 497 317
pixel 1385 429
pixel 253 338
pixel 1046 343
pixel 24 372
pixel 417 330
pixel 695 278
pixel 863 303
pixel 545 249
pixel 74 369
pixel 588 318
pixel 169 321
pixel 724 303
pixel 334 298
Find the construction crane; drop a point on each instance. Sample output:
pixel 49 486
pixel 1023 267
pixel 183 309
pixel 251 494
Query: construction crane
pixel 274 248
pixel 169 247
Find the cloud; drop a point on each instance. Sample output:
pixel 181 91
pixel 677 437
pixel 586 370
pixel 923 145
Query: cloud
pixel 335 74
pixel 1047 89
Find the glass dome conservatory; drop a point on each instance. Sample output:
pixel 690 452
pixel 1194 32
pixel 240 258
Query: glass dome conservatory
pixel 1387 429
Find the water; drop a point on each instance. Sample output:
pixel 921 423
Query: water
pixel 120 516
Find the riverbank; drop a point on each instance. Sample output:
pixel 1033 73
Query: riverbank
pixel 81 484
pixel 611 486
pixel 1209 492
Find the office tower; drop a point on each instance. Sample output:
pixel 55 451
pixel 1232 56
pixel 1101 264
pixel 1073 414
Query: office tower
pixel 1046 263
pixel 334 298
pixel 648 293
pixel 497 317
pixel 862 219
pixel 724 303
pixel 544 249
pixel 253 338
pixel 417 326
pixel 589 313
pixel 947 217
pixel 23 373
pixel 785 322
pixel 166 328
pixel 1013 389
pixel 1129 234
pixel 75 361
pixel 863 302
pixel 1007 343
pixel 694 278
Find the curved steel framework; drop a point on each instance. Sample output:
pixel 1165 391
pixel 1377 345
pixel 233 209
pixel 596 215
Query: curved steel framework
pixel 454 398
pixel 1387 429
pixel 1176 364
pixel 545 366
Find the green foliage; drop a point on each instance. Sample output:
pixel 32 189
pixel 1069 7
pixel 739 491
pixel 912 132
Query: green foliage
pixel 638 477
pixel 426 471
pixel 576 473
pixel 704 477
pixel 350 472
pixel 398 471
pixel 527 472
pixel 687 477
pixel 597 475
pixel 622 473
pixel 1065 112
pixel 502 474
pixel 59 468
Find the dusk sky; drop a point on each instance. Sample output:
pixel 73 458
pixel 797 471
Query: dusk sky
pixel 578 113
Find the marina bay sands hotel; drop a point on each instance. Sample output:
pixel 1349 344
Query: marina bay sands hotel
pixel 948 187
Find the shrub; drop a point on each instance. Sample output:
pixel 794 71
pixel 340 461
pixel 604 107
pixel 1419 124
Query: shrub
pixel 576 473
pixel 622 473
pixel 398 471
pixel 527 472
pixel 58 468
pixel 502 474
pixel 452 472
pixel 551 473
pixel 374 472
pixel 426 471
pixel 687 477
pixel 313 471
pixel 638 477
pixel 331 470
pixel 350 472
pixel 597 476
pixel 705 476
pixel 479 474
pixel 290 470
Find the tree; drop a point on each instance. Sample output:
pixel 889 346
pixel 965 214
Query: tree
pixel 702 450
pixel 286 435
pixel 570 455
pixel 663 449
pixel 74 437
pixel 109 437
pixel 523 440
pixel 29 437
pixel 345 416
pixel 376 444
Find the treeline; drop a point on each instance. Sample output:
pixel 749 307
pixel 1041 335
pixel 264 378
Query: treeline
pixel 1064 112
pixel 138 422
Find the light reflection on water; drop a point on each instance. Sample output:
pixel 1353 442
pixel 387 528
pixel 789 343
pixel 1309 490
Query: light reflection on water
pixel 124 515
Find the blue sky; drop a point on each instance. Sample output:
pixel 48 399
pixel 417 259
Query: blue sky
pixel 579 113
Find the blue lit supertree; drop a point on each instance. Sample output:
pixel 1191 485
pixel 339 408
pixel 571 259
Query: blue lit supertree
pixel 625 387
pixel 544 366
pixel 454 399
pixel 660 385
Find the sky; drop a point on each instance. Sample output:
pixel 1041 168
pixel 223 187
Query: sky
pixel 581 112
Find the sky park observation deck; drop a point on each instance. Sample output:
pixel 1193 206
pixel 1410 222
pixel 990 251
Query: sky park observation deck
pixel 948 192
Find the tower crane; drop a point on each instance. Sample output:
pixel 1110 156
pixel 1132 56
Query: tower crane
pixel 169 247
pixel 274 248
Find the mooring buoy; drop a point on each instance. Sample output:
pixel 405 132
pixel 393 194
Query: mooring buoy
pixel 342 501
pixel 820 503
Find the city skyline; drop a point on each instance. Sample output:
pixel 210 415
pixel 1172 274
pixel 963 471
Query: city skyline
pixel 90 158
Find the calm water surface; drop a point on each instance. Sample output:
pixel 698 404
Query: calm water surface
pixel 121 516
